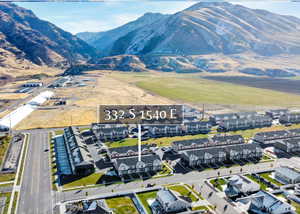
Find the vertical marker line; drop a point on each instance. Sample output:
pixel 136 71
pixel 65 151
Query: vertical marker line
pixel 140 141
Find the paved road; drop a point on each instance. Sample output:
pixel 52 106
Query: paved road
pixel 193 177
pixel 35 196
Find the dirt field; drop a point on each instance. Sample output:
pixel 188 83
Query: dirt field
pixel 82 102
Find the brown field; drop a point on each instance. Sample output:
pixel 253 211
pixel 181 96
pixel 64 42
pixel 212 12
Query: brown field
pixel 81 108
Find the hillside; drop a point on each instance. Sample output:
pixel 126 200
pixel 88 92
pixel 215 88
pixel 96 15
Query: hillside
pixel 27 41
pixel 210 36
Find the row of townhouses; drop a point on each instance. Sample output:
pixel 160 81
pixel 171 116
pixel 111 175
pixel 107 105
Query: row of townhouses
pixel 72 155
pixel 109 132
pixel 290 118
pixel 125 160
pixel 131 165
pixel 217 118
pixel 245 123
pixel 221 154
pixel 192 127
pixel 207 142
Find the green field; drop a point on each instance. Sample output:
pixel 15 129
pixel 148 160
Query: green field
pixel 194 89
pixel 122 205
pixel 146 196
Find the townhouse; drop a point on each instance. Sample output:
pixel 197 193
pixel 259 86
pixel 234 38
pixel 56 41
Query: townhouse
pixel 221 154
pixel 196 127
pixel 131 165
pixel 165 130
pixel 245 123
pixel 127 151
pixel 72 155
pixel 277 113
pixel 288 145
pixel 290 118
pixel 109 132
pixel 206 142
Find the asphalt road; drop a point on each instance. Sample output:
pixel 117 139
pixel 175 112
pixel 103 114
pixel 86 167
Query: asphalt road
pixel 193 177
pixel 35 196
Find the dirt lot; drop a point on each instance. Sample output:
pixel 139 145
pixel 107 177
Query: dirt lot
pixel 82 102
pixel 284 85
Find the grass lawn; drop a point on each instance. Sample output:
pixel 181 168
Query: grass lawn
pixel 7 195
pixel 165 170
pixel 146 196
pixel 122 205
pixel 266 175
pixel 296 206
pixel 182 190
pixel 85 181
pixel 164 141
pixel 199 208
pixel 262 185
pixel 217 183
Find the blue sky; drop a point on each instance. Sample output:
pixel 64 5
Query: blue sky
pixel 100 16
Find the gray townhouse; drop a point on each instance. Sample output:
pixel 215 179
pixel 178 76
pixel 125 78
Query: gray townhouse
pixel 288 145
pixel 72 155
pixel 130 165
pixel 227 139
pixel 245 123
pixel 165 130
pixel 217 118
pixel 290 118
pixel 269 138
pixel 247 114
pixel 127 151
pixel 206 142
pixel 190 144
pixel 277 113
pixel 221 154
pixel 196 127
pixel 109 132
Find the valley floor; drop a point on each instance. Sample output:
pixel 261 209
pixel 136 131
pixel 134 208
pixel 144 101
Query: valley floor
pixel 152 88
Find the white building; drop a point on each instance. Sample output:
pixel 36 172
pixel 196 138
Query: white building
pixel 287 175
pixel 170 202
pixel 240 185
pixel 264 202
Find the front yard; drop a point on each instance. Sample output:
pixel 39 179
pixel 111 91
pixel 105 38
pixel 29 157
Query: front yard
pixel 218 183
pixel 144 196
pixel 122 205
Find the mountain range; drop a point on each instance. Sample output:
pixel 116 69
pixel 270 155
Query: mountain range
pixel 26 38
pixel 208 36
